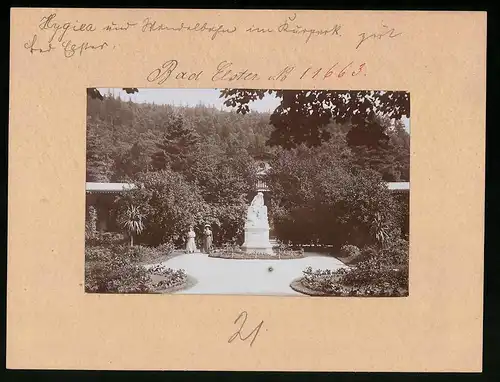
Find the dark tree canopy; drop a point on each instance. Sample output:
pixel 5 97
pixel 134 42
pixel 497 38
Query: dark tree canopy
pixel 200 164
pixel 178 141
pixel 303 114
pixel 94 93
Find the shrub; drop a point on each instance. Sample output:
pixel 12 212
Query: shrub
pixel 93 253
pixel 117 270
pixel 359 255
pixel 171 277
pixel 169 204
pixel 131 219
pixel 349 250
pixel 372 272
pixel 396 252
pixel 233 251
pixel 286 251
pixel 135 253
pixel 91 224
pixel 338 203
pixel 109 272
pixel 319 280
pixel 106 239
pixel 165 248
pixel 368 251
pixel 378 273
pixel 228 222
pixel 359 281
pixel 144 253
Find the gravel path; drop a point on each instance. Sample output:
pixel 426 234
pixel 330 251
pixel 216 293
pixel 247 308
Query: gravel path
pixel 239 277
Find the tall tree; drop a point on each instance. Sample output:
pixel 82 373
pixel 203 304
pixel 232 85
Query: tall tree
pixel 131 163
pixel 99 161
pixel 96 94
pixel 303 114
pixel 179 140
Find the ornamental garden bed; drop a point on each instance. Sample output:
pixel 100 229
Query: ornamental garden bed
pixel 167 280
pixel 236 253
pixel 347 291
pixel 369 278
pixel 116 243
pixel 351 255
pixel 117 270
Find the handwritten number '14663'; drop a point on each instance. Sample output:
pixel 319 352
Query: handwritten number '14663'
pixel 238 334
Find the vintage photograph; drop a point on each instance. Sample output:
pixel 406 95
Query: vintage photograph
pixel 247 192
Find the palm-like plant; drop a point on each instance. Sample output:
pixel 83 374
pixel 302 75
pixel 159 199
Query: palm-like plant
pixel 379 229
pixel 132 222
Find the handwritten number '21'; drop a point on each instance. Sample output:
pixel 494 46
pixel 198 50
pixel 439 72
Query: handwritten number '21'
pixel 243 315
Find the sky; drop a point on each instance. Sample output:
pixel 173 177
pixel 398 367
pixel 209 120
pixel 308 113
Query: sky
pixel 193 97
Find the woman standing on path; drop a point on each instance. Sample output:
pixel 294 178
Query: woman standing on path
pixel 207 240
pixel 191 245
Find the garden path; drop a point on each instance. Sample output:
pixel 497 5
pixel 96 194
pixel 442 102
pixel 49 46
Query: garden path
pixel 247 277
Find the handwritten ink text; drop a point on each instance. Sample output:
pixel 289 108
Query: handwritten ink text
pixel 287 27
pixel 150 25
pixel 243 315
pixel 30 45
pixel 48 23
pixel 225 73
pixel 283 74
pixel 117 27
pixel 390 33
pixel 331 71
pixel 163 73
pixel 72 38
pixel 70 49
pixel 259 30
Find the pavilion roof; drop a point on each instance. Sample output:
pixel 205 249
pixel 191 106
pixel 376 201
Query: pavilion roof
pixel 108 187
pixel 92 187
pixel 398 186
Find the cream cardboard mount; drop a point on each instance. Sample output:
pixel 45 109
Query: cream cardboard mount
pixel 57 54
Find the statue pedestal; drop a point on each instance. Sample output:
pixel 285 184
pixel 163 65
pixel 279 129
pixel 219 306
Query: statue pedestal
pixel 257 240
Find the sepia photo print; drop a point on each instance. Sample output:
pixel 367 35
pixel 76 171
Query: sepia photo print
pixel 248 192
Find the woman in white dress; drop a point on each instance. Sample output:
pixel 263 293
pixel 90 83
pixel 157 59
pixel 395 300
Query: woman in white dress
pixel 191 245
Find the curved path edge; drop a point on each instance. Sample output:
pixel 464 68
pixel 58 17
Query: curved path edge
pixel 297 286
pixel 189 283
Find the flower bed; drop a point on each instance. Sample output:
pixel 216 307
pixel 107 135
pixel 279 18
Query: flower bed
pixel 382 273
pixel 169 277
pixel 109 270
pixel 337 290
pixel 153 255
pixel 279 253
pixel 137 253
pixel 105 239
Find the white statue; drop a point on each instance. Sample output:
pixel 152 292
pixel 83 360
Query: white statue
pixel 257 212
pixel 258 200
pixel 257 227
